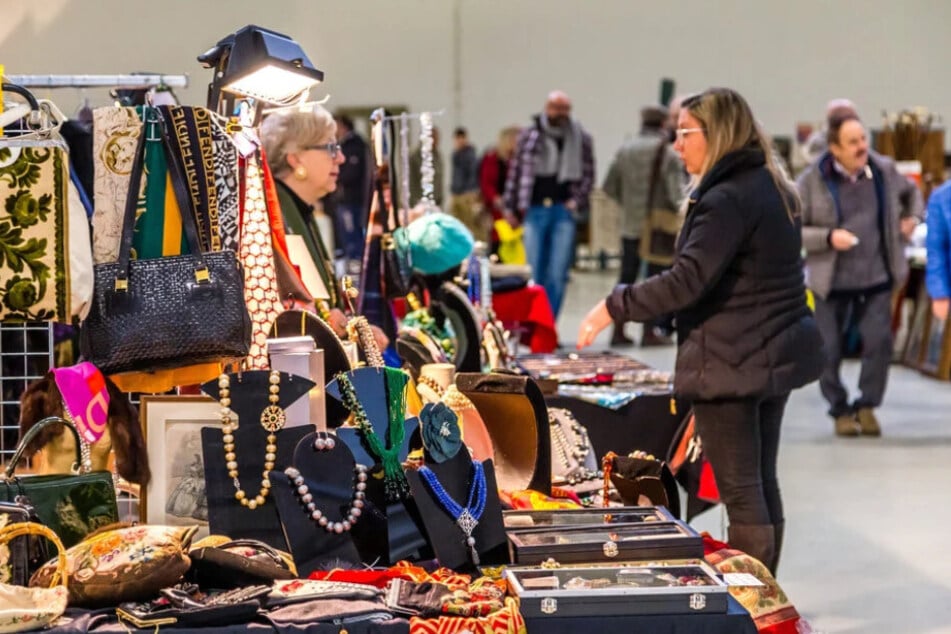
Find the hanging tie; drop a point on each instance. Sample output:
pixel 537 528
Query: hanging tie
pixel 260 283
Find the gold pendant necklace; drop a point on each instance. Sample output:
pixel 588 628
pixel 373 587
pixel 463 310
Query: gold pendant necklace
pixel 272 420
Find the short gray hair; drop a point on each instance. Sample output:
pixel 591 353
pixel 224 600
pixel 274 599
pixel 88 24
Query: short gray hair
pixel 287 131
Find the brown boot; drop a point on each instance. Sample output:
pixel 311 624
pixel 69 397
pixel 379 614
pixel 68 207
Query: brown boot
pixel 846 425
pixel 868 424
pixel 618 338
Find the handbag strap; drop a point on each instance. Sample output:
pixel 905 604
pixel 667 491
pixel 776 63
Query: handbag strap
pixel 152 117
pixel 19 529
pixel 274 554
pixel 655 172
pixel 33 432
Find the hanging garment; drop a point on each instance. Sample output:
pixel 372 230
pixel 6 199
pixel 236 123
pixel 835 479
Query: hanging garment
pixel 43 232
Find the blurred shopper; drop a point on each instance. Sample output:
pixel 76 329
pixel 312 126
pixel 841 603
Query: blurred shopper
pixel 939 250
pixel 549 180
pixel 353 188
pixel 858 213
pixel 492 174
pixel 645 173
pixel 464 201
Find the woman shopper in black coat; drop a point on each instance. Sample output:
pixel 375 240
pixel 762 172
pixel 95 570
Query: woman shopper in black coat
pixel 746 336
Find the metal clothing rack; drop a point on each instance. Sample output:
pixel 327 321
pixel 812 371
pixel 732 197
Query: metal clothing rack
pixel 99 81
pixel 26 349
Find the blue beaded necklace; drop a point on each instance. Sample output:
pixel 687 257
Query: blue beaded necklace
pixel 466 518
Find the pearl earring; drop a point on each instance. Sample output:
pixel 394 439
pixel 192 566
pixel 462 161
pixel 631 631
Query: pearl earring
pixel 300 172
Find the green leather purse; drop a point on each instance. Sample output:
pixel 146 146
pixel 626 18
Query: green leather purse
pixel 71 505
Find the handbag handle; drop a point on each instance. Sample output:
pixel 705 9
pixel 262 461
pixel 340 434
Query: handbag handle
pixel 267 549
pixel 33 432
pixel 19 529
pixel 185 206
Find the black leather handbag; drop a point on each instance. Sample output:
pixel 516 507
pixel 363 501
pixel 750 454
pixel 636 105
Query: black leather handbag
pixel 71 505
pixel 165 312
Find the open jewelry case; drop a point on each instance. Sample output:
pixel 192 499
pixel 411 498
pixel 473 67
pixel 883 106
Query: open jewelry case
pixel 646 540
pixel 628 588
pixel 518 520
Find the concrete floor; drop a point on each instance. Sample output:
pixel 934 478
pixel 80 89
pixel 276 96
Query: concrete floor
pixel 867 520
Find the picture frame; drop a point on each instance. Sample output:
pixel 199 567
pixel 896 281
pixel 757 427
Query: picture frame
pixel 171 426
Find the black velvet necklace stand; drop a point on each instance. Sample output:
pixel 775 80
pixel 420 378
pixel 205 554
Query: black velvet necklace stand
pixel 330 477
pixel 249 397
pixel 386 533
pixel 447 539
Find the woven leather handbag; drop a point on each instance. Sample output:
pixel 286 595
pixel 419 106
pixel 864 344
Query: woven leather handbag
pixel 22 608
pixel 72 505
pixel 167 312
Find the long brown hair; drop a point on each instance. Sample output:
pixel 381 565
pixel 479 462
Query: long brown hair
pixel 729 125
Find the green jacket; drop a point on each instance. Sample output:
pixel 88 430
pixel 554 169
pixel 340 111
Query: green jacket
pixel 299 220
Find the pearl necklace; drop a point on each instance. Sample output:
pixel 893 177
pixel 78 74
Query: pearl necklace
pixel 307 499
pixel 466 518
pixel 272 420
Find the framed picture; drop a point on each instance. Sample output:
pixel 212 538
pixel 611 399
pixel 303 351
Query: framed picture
pixel 172 427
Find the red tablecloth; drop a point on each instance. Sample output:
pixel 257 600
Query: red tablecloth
pixel 528 309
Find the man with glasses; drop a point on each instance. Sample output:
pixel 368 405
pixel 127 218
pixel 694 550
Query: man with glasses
pixel 645 167
pixel 857 214
pixel 549 181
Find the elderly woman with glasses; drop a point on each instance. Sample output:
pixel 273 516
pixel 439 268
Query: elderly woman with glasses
pixel 303 154
pixel 745 335
pixel 305 159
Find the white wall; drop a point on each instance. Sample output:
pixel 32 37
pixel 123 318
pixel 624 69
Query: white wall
pixel 787 57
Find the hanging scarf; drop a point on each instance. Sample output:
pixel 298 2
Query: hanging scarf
pixel 190 135
pixel 85 398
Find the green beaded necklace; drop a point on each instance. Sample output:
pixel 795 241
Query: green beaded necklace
pixel 395 485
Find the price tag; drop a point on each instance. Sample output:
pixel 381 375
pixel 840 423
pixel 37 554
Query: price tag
pixel 741 579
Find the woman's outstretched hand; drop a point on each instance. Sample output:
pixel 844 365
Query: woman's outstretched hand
pixel 594 322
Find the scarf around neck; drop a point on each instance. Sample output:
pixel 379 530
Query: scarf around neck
pixel 565 164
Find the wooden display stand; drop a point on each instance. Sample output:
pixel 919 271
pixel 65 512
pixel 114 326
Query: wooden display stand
pixel 931 156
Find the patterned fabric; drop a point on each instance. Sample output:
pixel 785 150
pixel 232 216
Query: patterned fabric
pixel 771 609
pixel 115 135
pixel 23 609
pixel 190 137
pixel 127 564
pixel 226 182
pixel 34 272
pixel 257 256
pixel 528 500
pixel 508 620
pixel 521 174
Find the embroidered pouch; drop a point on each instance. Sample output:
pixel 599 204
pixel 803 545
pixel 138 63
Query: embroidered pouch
pixel 126 564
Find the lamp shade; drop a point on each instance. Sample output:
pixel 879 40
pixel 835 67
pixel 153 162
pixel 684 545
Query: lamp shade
pixel 261 64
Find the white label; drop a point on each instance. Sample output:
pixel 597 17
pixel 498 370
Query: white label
pixel 741 579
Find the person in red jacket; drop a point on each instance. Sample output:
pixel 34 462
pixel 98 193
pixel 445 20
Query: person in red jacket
pixel 492 173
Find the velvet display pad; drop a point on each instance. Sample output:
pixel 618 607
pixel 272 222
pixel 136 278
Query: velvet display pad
pixel 299 323
pixel 330 477
pixel 516 417
pixel 370 387
pixel 446 538
pixel 249 397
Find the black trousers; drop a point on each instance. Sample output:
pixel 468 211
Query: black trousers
pixel 631 266
pixel 741 440
pixel 872 314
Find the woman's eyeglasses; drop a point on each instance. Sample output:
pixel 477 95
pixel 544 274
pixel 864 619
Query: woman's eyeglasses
pixel 682 132
pixel 333 149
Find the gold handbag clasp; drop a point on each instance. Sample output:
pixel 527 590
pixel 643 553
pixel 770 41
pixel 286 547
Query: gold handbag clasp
pixel 202 275
pixel 122 285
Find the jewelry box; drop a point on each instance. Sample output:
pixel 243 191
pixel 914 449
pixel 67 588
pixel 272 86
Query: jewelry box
pixel 585 544
pixel 518 520
pixel 664 587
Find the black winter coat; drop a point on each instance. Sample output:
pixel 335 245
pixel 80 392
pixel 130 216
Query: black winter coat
pixel 736 289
